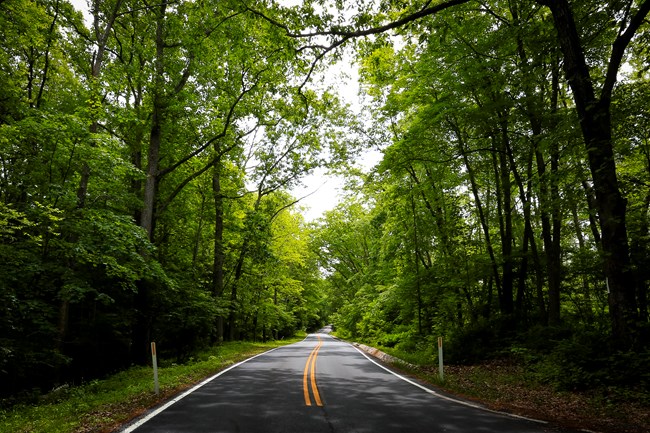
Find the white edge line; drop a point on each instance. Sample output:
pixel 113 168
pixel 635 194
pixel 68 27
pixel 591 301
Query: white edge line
pixel 152 414
pixel 437 394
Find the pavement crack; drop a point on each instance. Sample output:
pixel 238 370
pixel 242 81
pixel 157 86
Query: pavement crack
pixel 327 419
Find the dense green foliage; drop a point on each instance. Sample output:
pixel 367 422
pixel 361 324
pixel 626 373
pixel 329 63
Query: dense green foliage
pixel 144 162
pixel 496 218
pixel 146 155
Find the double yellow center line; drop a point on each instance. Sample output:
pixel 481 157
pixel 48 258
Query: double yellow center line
pixel 309 377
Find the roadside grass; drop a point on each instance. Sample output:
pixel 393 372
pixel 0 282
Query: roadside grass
pixel 103 405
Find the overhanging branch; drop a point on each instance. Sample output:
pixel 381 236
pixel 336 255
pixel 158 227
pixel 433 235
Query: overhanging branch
pixel 618 49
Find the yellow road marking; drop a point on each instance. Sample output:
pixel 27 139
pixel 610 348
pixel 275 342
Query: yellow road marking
pixel 305 387
pixel 314 387
pixel 310 373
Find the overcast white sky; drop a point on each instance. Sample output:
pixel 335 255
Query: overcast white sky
pixel 326 190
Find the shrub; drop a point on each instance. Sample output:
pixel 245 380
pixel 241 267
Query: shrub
pixel 585 360
pixel 476 342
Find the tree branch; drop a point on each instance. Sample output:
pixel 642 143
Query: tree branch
pixel 287 206
pixel 220 135
pixel 346 35
pixel 367 32
pixel 619 47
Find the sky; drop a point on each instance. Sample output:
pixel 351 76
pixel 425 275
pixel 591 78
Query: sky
pixel 324 191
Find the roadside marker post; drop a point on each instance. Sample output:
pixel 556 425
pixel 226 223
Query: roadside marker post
pixel 440 362
pixel 156 387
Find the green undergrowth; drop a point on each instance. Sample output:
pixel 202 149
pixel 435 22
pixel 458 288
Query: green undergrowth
pixel 560 372
pixel 101 405
pixel 550 388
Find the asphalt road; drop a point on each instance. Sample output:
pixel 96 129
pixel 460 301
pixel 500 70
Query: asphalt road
pixel 320 385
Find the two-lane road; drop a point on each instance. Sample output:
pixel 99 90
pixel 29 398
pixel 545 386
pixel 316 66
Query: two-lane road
pixel 320 385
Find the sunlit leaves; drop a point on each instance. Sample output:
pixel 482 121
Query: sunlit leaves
pixel 485 150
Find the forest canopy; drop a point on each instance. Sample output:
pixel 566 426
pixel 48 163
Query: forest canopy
pixel 146 156
pixel 510 211
pixel 148 151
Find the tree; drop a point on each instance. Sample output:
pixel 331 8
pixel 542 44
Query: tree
pixel 123 152
pixel 593 110
pixel 594 113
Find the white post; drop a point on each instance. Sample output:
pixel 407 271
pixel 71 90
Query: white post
pixel 156 387
pixel 440 363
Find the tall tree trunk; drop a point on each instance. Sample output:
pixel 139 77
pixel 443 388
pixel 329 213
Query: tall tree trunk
pixel 416 245
pixel 147 219
pixel 554 257
pixel 135 146
pixel 239 271
pixel 219 253
pixel 547 236
pixel 593 214
pixel 479 206
pixel 507 305
pixel 141 332
pixel 525 194
pixel 535 99
pixel 199 232
pixel 101 36
pixel 595 123
pixel 639 257
pixel 581 243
